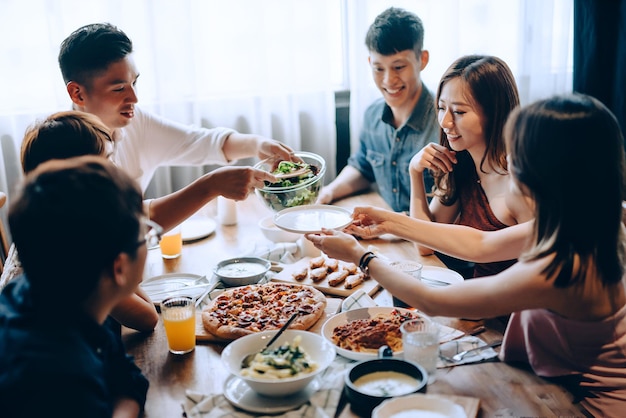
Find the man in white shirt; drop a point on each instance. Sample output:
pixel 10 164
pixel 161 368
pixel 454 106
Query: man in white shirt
pixel 100 76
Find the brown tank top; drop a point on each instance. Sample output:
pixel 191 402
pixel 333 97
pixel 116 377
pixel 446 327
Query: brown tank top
pixel 476 212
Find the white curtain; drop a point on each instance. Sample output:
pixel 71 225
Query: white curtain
pixel 269 67
pixel 257 66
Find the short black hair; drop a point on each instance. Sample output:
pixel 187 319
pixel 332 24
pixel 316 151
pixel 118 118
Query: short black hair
pixel 82 206
pixel 395 30
pixel 90 49
pixel 63 135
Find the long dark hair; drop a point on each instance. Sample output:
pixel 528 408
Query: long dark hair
pixel 561 149
pixel 493 88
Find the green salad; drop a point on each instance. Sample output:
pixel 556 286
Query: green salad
pixel 277 198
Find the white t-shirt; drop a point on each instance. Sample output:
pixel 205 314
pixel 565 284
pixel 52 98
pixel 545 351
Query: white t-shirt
pixel 150 141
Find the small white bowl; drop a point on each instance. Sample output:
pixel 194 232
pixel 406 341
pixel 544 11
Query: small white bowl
pixel 241 271
pixel 412 405
pixel 320 351
pixel 274 233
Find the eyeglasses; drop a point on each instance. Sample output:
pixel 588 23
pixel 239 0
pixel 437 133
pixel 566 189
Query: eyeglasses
pixel 154 234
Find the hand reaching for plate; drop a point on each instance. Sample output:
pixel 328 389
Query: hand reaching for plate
pixel 369 222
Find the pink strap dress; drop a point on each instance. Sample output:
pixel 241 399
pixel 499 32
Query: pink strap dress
pixel 591 355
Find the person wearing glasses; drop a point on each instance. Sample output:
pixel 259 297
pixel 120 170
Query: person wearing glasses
pixel 58 356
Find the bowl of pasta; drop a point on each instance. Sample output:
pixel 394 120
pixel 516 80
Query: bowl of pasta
pixel 285 367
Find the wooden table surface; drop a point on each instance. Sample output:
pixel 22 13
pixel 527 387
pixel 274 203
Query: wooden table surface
pixel 503 390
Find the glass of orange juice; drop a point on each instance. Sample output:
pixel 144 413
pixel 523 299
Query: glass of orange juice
pixel 179 318
pixel 172 243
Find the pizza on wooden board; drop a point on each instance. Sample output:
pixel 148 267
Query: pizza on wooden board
pixel 245 310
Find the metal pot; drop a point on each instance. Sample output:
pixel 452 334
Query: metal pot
pixel 362 399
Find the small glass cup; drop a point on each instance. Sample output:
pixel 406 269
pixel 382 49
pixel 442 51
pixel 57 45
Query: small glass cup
pixel 172 243
pixel 179 319
pixel 412 268
pixel 420 342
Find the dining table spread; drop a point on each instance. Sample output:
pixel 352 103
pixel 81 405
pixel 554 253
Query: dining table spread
pixel 193 385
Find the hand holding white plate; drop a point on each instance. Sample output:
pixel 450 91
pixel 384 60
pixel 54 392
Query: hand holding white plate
pixel 311 219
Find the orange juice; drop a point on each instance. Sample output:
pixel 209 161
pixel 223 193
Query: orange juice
pixel 180 328
pixel 171 244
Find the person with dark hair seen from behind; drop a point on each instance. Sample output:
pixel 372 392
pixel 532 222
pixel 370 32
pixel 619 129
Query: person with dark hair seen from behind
pixel 57 356
pixel 566 294
pixel 100 75
pixel 70 134
pixel 396 126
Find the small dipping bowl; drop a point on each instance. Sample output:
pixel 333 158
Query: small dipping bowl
pixel 370 382
pixel 274 233
pixel 241 271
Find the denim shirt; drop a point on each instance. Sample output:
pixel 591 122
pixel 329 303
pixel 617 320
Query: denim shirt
pixel 385 152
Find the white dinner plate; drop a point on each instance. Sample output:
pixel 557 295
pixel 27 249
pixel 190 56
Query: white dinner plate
pixel 310 219
pixel 419 405
pixel 197 227
pixel 440 274
pixel 238 393
pixel 360 313
pixel 175 284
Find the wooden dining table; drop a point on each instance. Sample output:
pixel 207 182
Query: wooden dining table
pixel 498 389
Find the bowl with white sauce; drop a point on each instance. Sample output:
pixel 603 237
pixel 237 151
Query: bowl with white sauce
pixel 370 382
pixel 241 271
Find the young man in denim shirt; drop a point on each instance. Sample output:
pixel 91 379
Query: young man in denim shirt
pixel 399 124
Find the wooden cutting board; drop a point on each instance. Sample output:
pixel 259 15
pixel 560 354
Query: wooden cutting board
pixel 370 286
pixel 332 307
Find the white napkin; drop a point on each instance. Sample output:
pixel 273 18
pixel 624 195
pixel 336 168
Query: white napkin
pixel 360 299
pixel 322 404
pixel 466 343
pixel 283 252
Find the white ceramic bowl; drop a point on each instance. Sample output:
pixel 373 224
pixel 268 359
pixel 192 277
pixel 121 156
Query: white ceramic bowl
pixel 241 271
pixel 274 233
pixel 320 351
pixel 413 405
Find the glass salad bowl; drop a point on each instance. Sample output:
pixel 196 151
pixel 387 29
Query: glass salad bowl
pixel 289 192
